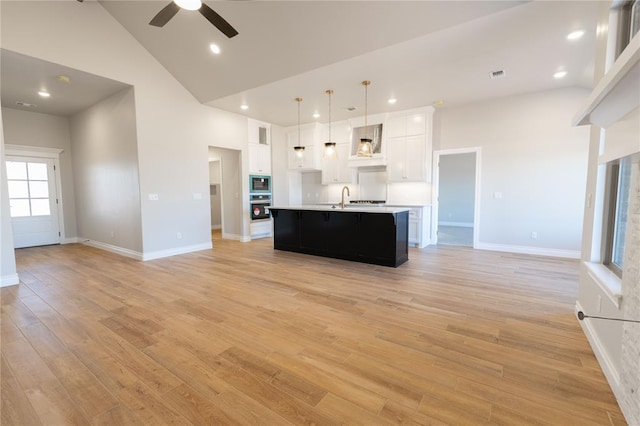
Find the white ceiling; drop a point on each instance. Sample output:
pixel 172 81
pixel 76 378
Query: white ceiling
pixel 416 51
pixel 23 76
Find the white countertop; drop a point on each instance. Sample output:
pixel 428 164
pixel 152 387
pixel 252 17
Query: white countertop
pixel 336 208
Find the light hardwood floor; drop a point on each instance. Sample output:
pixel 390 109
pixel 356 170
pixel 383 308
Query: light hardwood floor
pixel 243 334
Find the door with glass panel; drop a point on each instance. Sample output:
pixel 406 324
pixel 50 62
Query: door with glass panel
pixel 33 201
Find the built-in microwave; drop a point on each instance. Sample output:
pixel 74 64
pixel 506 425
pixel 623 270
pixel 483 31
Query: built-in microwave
pixel 259 184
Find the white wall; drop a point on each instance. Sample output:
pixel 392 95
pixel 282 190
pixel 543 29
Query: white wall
pixel 174 131
pixel 105 161
pixel 535 159
pixel 8 275
pixel 456 195
pixel 49 131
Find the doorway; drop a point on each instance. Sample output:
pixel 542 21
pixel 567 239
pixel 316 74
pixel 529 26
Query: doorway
pixel 225 179
pixel 456 194
pixel 215 194
pixel 33 200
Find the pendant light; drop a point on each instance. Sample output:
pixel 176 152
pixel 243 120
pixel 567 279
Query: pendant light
pixel 299 149
pixel 330 152
pixel 365 149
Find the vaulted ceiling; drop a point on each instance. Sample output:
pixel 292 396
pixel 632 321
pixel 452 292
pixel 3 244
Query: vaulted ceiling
pixel 415 51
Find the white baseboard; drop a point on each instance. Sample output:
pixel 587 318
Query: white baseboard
pixel 147 256
pixel 176 251
pixel 608 368
pixel 236 237
pixel 538 251
pixel 71 240
pixel 458 224
pixel 8 280
pixel 214 227
pixel 113 249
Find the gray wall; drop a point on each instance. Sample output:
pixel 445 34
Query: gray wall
pixel 105 163
pixel 456 194
pixel 215 181
pixel 48 131
pixel 232 200
pixel 532 156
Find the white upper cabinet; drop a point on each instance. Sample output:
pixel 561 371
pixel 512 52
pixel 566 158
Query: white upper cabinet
pixel 259 132
pixel 259 159
pixel 409 146
pixel 259 147
pixel 310 137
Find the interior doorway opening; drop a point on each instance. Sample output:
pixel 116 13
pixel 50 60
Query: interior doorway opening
pixel 225 189
pixel 457 196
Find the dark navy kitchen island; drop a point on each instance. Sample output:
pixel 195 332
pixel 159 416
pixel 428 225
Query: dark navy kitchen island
pixel 376 235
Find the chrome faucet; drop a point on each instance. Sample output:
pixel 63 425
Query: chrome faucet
pixel 342 202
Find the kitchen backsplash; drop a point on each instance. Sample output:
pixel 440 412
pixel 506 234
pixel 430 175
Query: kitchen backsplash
pixel 372 186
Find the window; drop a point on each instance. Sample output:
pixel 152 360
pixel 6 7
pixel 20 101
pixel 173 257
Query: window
pixel 28 189
pixel 617 202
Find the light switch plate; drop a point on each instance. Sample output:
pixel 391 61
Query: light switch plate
pixel 153 197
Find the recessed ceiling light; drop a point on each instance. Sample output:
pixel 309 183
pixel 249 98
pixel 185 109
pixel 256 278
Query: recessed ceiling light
pixel 575 35
pixel 214 48
pixel 244 107
pixel 438 103
pixel 560 74
pixel 44 94
pixel 392 101
pixel 64 79
pixel 316 115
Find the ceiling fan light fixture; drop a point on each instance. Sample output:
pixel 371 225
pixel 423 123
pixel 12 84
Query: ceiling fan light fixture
pixel 189 4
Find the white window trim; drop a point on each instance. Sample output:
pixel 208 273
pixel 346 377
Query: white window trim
pixel 42 152
pixel 609 283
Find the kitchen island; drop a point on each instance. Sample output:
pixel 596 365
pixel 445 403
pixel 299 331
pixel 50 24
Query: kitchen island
pixel 376 235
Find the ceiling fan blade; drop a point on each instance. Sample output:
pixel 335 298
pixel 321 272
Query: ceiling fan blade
pixel 218 21
pixel 165 15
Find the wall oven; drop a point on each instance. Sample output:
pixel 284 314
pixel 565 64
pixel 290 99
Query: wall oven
pixel 259 206
pixel 259 184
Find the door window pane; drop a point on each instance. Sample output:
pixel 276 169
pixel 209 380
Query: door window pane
pixel 16 170
pixel 19 208
pixel 37 171
pixel 39 189
pixel 40 207
pixel 18 189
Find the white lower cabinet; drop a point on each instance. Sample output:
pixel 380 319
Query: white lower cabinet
pixel 419 226
pixel 261 229
pixel 337 171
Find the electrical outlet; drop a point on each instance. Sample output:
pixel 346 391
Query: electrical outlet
pixel 534 235
pixel 179 235
pixel 153 197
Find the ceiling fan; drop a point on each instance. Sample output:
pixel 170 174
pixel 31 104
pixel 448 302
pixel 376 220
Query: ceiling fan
pixel 172 8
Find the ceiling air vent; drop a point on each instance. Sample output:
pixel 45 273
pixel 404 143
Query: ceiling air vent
pixel 497 74
pixel 26 104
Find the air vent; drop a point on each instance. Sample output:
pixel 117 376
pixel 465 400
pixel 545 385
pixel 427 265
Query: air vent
pixel 26 104
pixel 497 74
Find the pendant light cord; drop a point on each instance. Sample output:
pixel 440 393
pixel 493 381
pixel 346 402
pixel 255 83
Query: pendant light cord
pixel 329 92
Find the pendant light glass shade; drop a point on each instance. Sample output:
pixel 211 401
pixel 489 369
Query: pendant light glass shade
pixel 330 152
pixel 365 148
pixel 299 149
